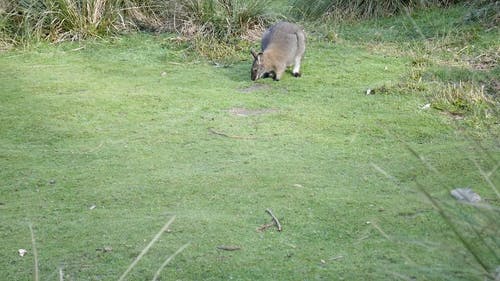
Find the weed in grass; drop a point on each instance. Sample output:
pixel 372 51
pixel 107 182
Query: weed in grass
pixel 447 67
pixel 461 98
pixel 218 52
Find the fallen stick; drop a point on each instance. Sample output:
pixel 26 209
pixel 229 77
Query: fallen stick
pixel 265 226
pixel 337 258
pixel 229 248
pixel 211 130
pixel 278 224
pixel 381 231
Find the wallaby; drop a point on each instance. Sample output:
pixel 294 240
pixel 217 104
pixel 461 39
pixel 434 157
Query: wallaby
pixel 283 45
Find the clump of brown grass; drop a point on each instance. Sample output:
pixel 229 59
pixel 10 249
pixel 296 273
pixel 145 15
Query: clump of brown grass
pixel 465 98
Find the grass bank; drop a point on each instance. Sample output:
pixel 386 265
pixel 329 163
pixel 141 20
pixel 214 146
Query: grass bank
pixel 102 142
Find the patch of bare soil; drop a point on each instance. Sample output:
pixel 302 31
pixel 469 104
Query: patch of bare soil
pixel 238 111
pixel 453 115
pixel 485 61
pixel 255 87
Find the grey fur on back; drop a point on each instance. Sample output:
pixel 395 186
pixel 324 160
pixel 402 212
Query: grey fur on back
pixel 279 30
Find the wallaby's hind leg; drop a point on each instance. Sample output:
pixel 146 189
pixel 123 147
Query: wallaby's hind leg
pixel 296 67
pixel 301 48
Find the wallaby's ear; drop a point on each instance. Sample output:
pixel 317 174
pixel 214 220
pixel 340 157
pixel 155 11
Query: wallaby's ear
pixel 254 54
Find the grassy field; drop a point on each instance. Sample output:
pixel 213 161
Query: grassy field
pixel 102 142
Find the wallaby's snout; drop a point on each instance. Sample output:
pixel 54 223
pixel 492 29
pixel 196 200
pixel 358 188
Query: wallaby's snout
pixel 283 45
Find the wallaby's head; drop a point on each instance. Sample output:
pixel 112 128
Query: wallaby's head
pixel 258 68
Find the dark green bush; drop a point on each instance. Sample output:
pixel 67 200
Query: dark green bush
pixel 359 9
pixel 484 11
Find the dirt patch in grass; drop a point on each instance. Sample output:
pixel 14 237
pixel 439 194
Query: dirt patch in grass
pixel 254 88
pixel 239 111
pixel 453 115
pixel 486 61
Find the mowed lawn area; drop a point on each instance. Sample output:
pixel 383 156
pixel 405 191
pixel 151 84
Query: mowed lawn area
pixel 104 141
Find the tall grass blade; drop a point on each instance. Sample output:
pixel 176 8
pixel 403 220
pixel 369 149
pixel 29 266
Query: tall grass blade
pixel 35 253
pixel 444 215
pixel 146 249
pixel 167 261
pixel 453 228
pixel 487 175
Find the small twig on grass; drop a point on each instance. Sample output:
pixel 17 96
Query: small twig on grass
pixel 278 224
pixel 375 225
pixel 92 150
pixel 78 49
pixel 336 258
pixel 157 274
pixel 145 250
pixel 265 226
pixel 362 238
pixel 401 276
pixel 35 254
pixel 211 130
pixel 229 248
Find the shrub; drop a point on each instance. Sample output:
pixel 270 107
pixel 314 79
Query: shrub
pixel 57 20
pixel 484 11
pixel 358 9
pixel 224 18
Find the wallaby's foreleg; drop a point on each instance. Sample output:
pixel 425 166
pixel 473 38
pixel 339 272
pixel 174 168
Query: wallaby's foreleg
pixel 279 72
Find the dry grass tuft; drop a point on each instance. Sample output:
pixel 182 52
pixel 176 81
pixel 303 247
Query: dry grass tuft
pixel 462 96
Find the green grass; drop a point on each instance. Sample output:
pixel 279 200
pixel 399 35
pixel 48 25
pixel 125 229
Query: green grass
pixel 102 142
